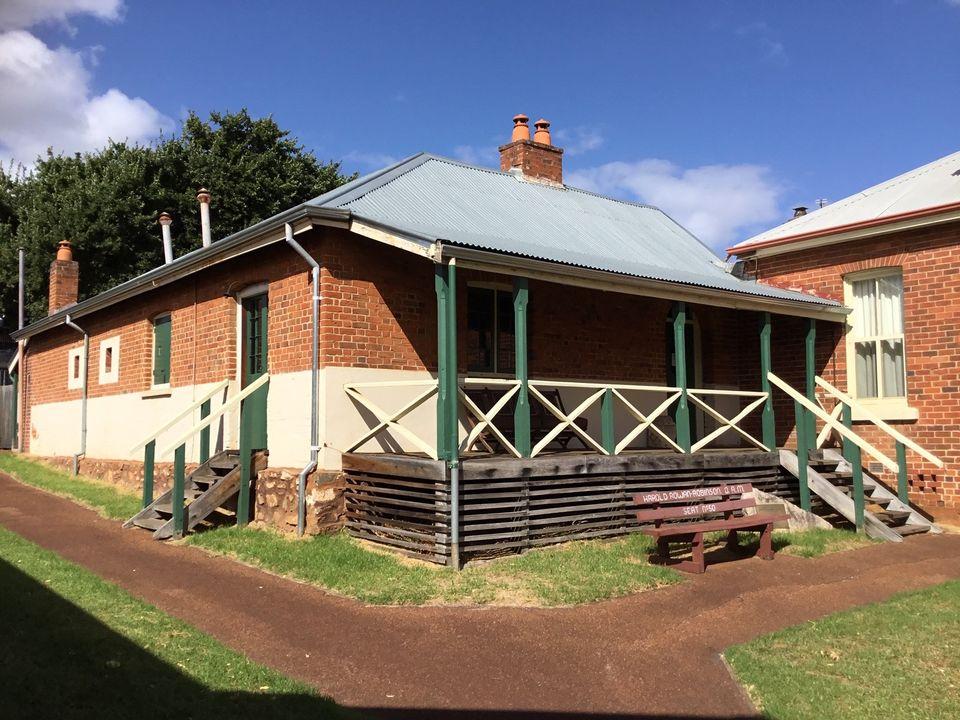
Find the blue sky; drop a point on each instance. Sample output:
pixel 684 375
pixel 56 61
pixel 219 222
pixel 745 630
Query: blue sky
pixel 726 114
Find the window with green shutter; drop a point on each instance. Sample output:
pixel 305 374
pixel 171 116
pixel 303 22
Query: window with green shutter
pixel 161 350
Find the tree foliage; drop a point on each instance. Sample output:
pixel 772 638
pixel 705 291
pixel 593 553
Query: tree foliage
pixel 107 202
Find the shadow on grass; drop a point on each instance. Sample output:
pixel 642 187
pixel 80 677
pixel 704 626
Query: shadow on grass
pixel 58 661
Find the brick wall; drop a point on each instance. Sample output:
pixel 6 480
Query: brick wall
pixel 930 260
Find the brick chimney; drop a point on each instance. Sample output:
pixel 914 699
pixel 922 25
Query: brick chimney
pixel 64 278
pixel 535 159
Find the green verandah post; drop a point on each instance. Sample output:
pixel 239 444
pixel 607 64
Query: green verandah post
pixel 803 453
pixel 680 361
pixel 521 415
pixel 608 429
pixel 448 429
pixel 246 466
pixel 902 489
pixel 810 366
pixel 179 478
pixel 149 454
pixel 852 454
pixel 767 419
pixel 205 434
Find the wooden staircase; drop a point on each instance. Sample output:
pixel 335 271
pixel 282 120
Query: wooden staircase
pixel 830 478
pixel 211 488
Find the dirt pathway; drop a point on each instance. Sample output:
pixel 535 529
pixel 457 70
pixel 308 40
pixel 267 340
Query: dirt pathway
pixel 654 654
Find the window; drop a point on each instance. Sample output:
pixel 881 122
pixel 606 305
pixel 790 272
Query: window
pixel 110 360
pixel 75 369
pixel 490 335
pixel 875 347
pixel 161 350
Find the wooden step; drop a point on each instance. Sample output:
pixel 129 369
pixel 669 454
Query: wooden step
pixel 905 530
pixel 149 523
pixel 893 518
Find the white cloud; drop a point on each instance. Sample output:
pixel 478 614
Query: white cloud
pixel 766 40
pixel 369 160
pixel 578 140
pixel 717 203
pixel 483 155
pixel 21 14
pixel 47 95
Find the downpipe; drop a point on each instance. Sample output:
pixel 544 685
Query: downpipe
pixel 314 381
pixel 83 402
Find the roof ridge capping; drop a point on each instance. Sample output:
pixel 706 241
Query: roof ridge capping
pixel 811 225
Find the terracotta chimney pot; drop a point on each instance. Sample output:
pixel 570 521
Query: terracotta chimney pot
pixel 521 131
pixel 64 251
pixel 542 135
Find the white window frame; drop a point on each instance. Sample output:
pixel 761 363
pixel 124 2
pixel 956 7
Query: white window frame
pixel 113 375
pixel 887 408
pixel 75 382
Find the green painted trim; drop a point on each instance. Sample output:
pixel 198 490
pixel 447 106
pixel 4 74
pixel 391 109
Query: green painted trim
pixel 810 367
pixel 803 453
pixel 858 500
pixel 682 414
pixel 205 434
pixel 608 430
pixel 521 414
pixel 442 291
pixel 246 465
pixel 149 453
pixel 453 426
pixel 179 480
pixel 161 349
pixel 767 418
pixel 902 475
pixel 848 445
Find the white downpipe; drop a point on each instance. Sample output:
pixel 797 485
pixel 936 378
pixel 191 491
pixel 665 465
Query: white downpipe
pixel 314 380
pixel 83 403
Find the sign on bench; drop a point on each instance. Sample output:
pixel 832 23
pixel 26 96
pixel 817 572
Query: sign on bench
pixel 688 524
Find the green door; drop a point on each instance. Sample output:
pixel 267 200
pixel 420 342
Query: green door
pixel 254 359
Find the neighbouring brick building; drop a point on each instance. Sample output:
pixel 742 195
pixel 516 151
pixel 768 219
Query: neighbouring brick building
pixel 891 253
pixel 461 312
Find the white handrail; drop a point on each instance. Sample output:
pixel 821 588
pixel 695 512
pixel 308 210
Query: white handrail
pixel 838 426
pixel 248 390
pixel 188 411
pixel 892 432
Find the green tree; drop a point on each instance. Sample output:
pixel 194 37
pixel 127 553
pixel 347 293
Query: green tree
pixel 107 202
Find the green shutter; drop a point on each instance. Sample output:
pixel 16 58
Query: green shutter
pixel 161 350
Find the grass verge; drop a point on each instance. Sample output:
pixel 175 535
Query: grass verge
pixel 108 500
pixel 75 646
pixel 565 575
pixel 897 658
pixel 568 574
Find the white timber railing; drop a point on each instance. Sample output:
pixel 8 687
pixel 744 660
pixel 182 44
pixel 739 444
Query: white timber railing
pixel 149 443
pixel 492 424
pixel 389 421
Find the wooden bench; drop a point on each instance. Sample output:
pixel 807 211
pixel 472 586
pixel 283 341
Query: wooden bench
pixel 541 421
pixel 684 515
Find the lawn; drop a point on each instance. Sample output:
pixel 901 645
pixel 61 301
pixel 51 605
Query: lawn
pixel 106 499
pixel 75 646
pixel 565 575
pixel 899 658
pixel 568 574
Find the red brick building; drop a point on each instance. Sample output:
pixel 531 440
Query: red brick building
pixel 892 254
pixel 419 342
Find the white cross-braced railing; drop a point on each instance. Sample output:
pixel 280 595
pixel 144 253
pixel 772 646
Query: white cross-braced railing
pixel 390 421
pixel 696 397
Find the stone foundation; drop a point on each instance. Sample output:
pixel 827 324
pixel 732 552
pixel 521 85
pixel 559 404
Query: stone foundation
pixel 275 490
pixel 276 500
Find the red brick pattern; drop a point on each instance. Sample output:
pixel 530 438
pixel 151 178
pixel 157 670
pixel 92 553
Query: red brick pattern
pixel 64 284
pixel 930 261
pixel 533 159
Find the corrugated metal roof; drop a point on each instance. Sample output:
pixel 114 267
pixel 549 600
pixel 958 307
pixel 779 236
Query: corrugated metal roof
pixel 933 185
pixel 446 200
